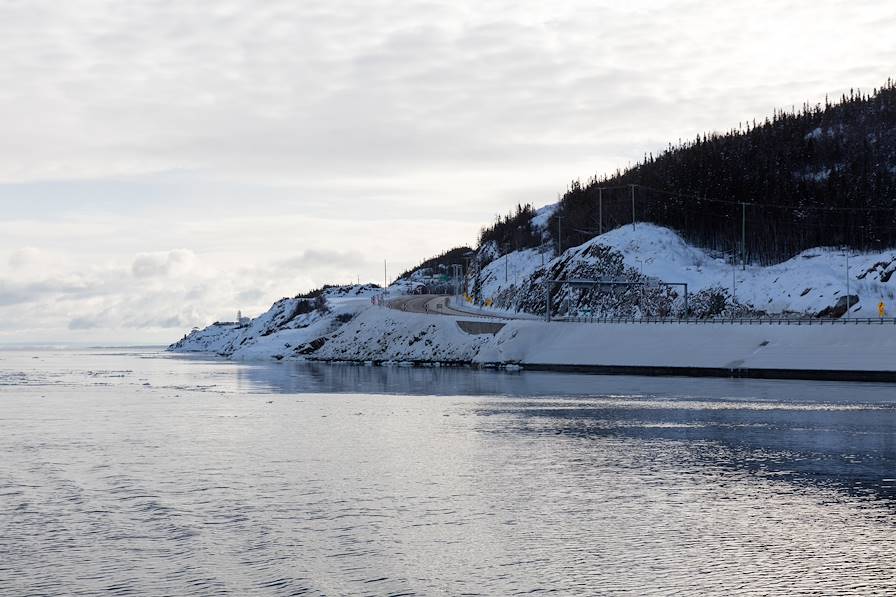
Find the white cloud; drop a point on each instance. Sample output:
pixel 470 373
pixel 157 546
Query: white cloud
pixel 25 257
pixel 171 263
pixel 168 162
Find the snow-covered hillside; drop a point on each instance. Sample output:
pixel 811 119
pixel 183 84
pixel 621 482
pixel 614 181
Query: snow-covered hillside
pixel 808 284
pixel 289 324
pixel 382 334
pixel 343 324
pixel 377 334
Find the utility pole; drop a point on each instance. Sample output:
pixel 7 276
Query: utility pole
pixel 559 237
pixel 547 302
pixel 743 235
pixel 633 205
pixel 385 277
pixel 733 282
pixel 641 273
pixel 600 209
pixel 847 283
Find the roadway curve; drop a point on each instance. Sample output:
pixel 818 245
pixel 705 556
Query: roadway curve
pixel 432 304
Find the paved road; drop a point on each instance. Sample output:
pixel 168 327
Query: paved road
pixel 433 304
pixel 438 304
pixel 424 303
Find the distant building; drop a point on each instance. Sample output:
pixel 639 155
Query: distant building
pixel 242 320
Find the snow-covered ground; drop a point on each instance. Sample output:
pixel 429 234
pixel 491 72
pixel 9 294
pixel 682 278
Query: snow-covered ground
pixel 379 334
pixel 806 284
pixel 382 334
pixel 828 347
pixel 289 324
pixel 510 270
pixel 543 215
pixel 350 328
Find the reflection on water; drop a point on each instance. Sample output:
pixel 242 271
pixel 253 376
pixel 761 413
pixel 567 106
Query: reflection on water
pixel 318 377
pixel 139 473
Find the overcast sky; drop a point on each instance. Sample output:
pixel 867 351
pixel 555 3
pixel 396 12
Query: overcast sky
pixel 163 164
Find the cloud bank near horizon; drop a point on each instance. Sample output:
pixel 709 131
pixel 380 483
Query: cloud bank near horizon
pixel 164 164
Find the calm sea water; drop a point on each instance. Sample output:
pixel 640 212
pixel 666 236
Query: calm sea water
pixel 134 472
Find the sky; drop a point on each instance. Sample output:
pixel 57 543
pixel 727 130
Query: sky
pixel 165 164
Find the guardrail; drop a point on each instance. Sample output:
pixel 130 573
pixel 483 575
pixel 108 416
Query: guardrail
pixel 683 321
pixel 733 321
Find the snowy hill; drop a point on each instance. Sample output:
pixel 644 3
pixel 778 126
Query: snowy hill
pixel 379 335
pixel 341 323
pixel 289 324
pixel 822 175
pixel 808 284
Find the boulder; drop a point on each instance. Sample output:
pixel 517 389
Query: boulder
pixel 838 309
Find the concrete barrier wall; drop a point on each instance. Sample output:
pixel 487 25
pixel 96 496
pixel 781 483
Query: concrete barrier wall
pixel 717 346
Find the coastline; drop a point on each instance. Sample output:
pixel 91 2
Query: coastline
pixel 378 336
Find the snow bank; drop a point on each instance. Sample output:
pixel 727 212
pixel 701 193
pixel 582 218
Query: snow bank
pixel 382 334
pixel 843 347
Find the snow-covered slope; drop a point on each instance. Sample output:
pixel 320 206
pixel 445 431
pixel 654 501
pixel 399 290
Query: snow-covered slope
pixel 211 339
pixel 354 330
pixel 378 334
pixel 510 270
pixel 807 284
pixel 349 327
pixel 543 216
pixel 382 334
pixel 290 323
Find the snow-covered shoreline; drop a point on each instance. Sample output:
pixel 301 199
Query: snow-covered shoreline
pixel 377 335
pixel 346 327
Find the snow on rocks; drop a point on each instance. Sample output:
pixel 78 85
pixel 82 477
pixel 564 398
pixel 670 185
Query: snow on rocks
pixel 211 339
pixel 543 215
pixel 508 272
pixel 807 284
pixel 381 334
pixel 290 322
pixel 378 335
pixel 349 328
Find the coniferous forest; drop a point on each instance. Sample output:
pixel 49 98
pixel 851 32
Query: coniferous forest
pixel 823 175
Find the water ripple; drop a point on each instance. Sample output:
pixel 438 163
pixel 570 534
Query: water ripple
pixel 121 489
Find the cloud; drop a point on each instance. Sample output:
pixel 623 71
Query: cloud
pixel 83 323
pixel 377 87
pixel 324 259
pixel 314 140
pixel 170 263
pixel 25 256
